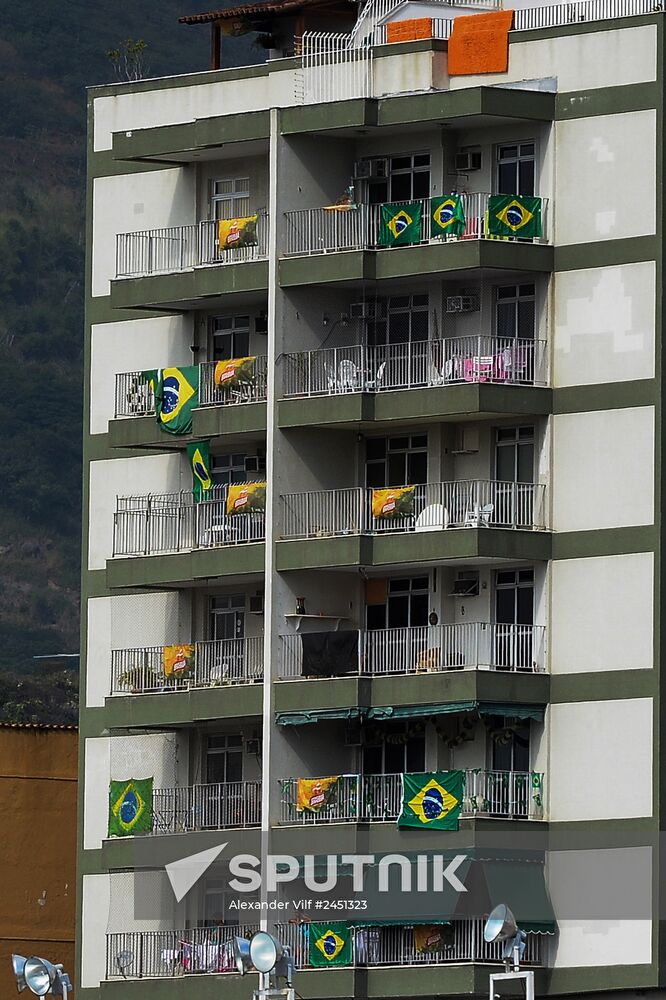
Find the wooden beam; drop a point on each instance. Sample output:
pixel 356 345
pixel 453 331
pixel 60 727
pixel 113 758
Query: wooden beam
pixel 214 45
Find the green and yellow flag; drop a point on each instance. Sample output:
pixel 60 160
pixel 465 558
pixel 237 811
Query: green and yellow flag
pixel 178 661
pixel 330 944
pixel 237 232
pixel 447 216
pixel 234 371
pixel 393 503
pixel 432 937
pixel 130 807
pixel 432 800
pixel 176 395
pixel 312 794
pixel 199 455
pixel 514 215
pixel 400 224
pixel 244 498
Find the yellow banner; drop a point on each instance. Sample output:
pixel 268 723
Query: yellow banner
pixel 313 793
pixel 237 232
pixel 177 660
pixel 396 502
pixel 429 937
pixel 233 371
pixel 245 497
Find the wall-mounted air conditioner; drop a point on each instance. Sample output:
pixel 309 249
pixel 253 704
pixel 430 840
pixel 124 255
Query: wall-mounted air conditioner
pixel 462 303
pixel 372 169
pixel 467 161
pixel 466 584
pixel 370 310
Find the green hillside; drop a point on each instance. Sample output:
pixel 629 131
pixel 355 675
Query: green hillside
pixel 49 53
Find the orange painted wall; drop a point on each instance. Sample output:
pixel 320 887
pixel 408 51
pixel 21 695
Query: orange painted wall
pixel 479 43
pixel 38 778
pixel 409 30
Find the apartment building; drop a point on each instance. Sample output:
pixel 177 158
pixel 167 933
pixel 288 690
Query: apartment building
pixel 372 439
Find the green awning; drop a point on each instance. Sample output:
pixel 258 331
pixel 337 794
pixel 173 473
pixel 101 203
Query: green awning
pixel 512 711
pixel 410 712
pixel 522 886
pixel 318 715
pixel 396 923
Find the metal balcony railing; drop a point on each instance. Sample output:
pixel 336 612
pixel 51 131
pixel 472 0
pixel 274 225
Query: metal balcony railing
pixel 218 806
pixel 472 503
pixel 435 648
pixel 165 953
pixel 330 230
pixel 215 663
pixel 134 396
pixel 181 248
pixel 173 522
pixel 394 945
pixel 415 365
pixel 377 798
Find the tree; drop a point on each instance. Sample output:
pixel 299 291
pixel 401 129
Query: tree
pixel 128 59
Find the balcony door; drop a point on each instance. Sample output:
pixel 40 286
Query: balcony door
pixel 223 798
pixel 396 461
pixel 230 337
pixel 408 179
pixel 514 619
pixel 508 788
pixel 514 473
pixel 226 628
pixel 398 749
pixel 515 312
pixel 515 168
pixel 230 198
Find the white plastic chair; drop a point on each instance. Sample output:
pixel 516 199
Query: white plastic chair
pixel 479 517
pixel 432 517
pixel 347 375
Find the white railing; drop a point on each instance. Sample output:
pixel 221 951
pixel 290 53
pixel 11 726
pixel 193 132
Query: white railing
pixel 161 954
pixel 441 29
pixel 394 945
pixel 217 806
pixel 173 522
pixel 179 248
pixel 378 797
pixel 471 503
pixel 415 365
pixel 215 663
pixel 134 395
pixel 434 648
pixel 332 69
pixel 330 230
pixel 582 10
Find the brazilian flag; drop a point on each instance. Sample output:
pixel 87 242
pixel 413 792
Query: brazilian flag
pixel 447 216
pixel 514 215
pixel 330 944
pixel 199 455
pixel 176 395
pixel 400 224
pixel 432 800
pixel 130 807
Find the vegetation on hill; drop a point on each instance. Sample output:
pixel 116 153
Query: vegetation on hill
pixel 49 53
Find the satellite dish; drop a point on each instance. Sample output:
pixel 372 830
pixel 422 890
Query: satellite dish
pixel 500 925
pixel 124 961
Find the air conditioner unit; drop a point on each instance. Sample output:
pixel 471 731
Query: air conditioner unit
pixel 467 441
pixel 372 169
pixel 466 584
pixel 462 303
pixel 467 161
pixel 367 310
pixel 254 463
pixel 354 736
pixel 257 604
pixel 253 747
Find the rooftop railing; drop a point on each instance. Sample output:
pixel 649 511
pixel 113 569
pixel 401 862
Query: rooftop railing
pixel 472 503
pixel 377 798
pixel 420 650
pixel 218 806
pixel 181 248
pixel 336 228
pixel 214 663
pixel 415 365
pixel 174 522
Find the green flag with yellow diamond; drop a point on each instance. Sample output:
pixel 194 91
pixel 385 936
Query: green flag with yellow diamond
pixel 199 455
pixel 330 944
pixel 447 216
pixel 432 800
pixel 176 395
pixel 400 224
pixel 514 215
pixel 130 807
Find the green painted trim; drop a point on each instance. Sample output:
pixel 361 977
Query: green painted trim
pixel 143 432
pixel 100 311
pixel 562 982
pixel 104 164
pixel 607 101
pixel 191 79
pixel 153 851
pixel 582 28
pixel 207 422
pixel 459 401
pixel 191 137
pixel 605 396
pixel 351 408
pixel 348 550
pixel 185 567
pixel 606 685
pixel 311 118
pixel 604 542
pixel 183 708
pixel 606 253
pixel 178 290
pixel 444 106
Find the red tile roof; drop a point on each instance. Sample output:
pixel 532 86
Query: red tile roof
pixel 252 10
pixel 36 725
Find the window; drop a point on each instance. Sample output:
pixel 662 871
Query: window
pixel 396 461
pixel 217 897
pixel 515 311
pixel 226 469
pixel 516 168
pixel 230 198
pixel 230 336
pixel 405 319
pixel 514 597
pixel 514 454
pixel 406 605
pixel 408 179
pixel 224 758
pixel 226 616
pixel 510 749
pixel 396 751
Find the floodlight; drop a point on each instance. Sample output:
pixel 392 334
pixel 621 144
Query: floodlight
pixel 18 964
pixel 500 925
pixel 40 975
pixel 242 958
pixel 265 951
pixel 124 960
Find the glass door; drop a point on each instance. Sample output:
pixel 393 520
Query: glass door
pixel 515 168
pixel 514 475
pixel 226 629
pixel 514 619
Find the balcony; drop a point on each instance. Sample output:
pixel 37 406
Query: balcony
pixel 182 248
pixel 188 808
pixel 134 395
pixel 200 950
pixel 173 522
pixel 415 365
pixel 429 649
pixel 337 228
pixel 214 664
pixel 377 798
pixel 474 503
